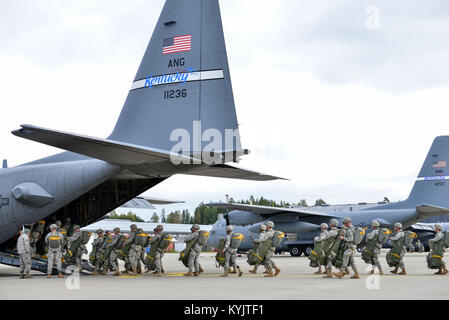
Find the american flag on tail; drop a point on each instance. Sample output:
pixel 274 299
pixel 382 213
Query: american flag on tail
pixel 177 44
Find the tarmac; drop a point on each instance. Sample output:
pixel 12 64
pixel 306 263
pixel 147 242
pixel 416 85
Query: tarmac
pixel 296 281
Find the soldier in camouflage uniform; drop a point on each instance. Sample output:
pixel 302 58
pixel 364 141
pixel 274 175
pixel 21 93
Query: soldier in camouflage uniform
pixel 98 243
pixel 68 226
pixel 24 251
pixel 376 251
pixel 332 233
pixel 420 246
pixel 398 237
pixel 80 250
pixel 158 232
pixel 268 262
pixel 323 236
pixel 230 254
pixel 439 236
pixel 112 261
pixel 195 251
pixel 134 252
pixel 263 229
pixel 348 255
pixel 54 241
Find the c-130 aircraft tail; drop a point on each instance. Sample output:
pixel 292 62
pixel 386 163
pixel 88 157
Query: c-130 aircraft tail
pixel 179 117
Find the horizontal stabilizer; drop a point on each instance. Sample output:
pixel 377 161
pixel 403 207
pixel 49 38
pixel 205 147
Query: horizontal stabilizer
pixel 104 149
pixel 271 211
pixel 430 211
pixel 227 171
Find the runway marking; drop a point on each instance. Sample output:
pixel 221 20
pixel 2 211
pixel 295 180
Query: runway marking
pixel 180 274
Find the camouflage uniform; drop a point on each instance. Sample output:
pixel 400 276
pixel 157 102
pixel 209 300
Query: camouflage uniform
pixel 159 252
pixel 194 252
pixel 268 262
pixel 398 237
pixel 24 251
pixel 112 260
pixel 80 250
pixel 348 254
pixel 376 251
pixel 323 236
pixel 261 235
pixel 230 254
pixel 134 252
pixel 439 235
pixel 98 243
pixel 332 233
pixel 54 253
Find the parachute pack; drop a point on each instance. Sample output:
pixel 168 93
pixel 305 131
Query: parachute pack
pixel 184 255
pixel 160 245
pixel 359 234
pixel 204 236
pixel 435 256
pixel 220 256
pixel 409 237
pixel 141 238
pixel 368 251
pixel 236 240
pixel 318 256
pixel 82 240
pixel 396 252
pixel 122 250
pixel 257 255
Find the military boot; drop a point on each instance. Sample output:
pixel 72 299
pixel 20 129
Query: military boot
pixel 439 270
pixel 22 276
pixel 104 272
pixel 254 270
pixel 188 274
pixel 381 271
pixel 116 273
pixel 48 276
pixel 27 275
pixel 234 270
pixel 372 271
pixel 201 270
pixel 60 276
pixel 403 272
pixel 270 274
pixel 139 270
pixel 225 274
pixel 328 274
pixel 95 272
pixel 125 271
pixel 341 274
pixel 444 271
pixel 356 275
pixel 277 270
pixel 134 274
pixel 395 270
pixel 240 272
pixel 162 270
pixel 319 271
pixel 346 271
pixel 266 272
pixel 196 274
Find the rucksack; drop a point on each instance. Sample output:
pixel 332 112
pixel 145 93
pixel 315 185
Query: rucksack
pixel 236 239
pixel 359 234
pixel 409 237
pixel 204 236
pixel 277 238
pixel 220 256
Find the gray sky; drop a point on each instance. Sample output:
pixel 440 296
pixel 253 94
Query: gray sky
pixel 340 100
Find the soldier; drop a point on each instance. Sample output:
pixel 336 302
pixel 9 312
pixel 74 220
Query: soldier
pixel 80 250
pixel 97 246
pixel 136 248
pixel 68 226
pixel 349 247
pixel 263 229
pixel 194 251
pixel 332 233
pixel 372 236
pixel 54 242
pixel 230 254
pixel 24 251
pixel 112 259
pixel 411 247
pixel 439 236
pixel 158 232
pixel 108 238
pixel 397 238
pixel 268 263
pixel 420 246
pixel 323 236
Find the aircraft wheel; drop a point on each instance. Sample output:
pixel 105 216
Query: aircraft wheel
pixel 307 250
pixel 295 251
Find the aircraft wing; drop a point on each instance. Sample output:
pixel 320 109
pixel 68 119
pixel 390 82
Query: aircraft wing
pixel 271 211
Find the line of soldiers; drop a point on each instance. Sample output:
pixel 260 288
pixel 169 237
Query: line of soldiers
pixel 335 247
pixel 108 248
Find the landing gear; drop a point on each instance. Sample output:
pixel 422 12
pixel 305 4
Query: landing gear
pixel 296 251
pixel 307 250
